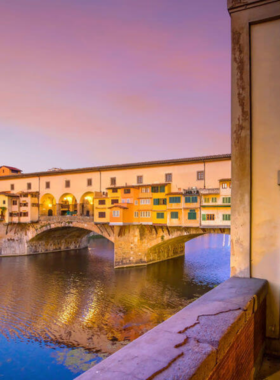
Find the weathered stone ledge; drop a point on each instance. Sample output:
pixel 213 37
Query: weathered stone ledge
pixel 212 338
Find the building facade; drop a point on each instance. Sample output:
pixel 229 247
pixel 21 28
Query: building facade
pixel 158 192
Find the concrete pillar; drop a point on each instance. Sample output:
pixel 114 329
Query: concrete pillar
pixel 255 226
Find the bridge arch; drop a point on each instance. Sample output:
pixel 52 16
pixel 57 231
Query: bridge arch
pixel 67 204
pixel 47 205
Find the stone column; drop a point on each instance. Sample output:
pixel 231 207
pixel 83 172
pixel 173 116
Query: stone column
pixel 58 209
pixel 255 223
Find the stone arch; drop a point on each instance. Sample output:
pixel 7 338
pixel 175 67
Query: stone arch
pixel 47 204
pixel 174 245
pixel 58 239
pixel 106 231
pixel 67 204
pixel 86 204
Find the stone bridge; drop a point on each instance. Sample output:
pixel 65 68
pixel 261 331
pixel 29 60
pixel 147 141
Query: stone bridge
pixel 133 244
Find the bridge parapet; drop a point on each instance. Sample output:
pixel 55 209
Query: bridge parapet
pixel 67 218
pixel 219 336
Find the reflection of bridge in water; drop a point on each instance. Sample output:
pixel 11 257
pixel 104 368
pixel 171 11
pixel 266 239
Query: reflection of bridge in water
pixel 133 244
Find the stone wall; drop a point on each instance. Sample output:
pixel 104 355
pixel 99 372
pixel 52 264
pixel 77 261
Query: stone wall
pixel 220 336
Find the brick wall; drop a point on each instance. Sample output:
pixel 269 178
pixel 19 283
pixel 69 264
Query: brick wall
pixel 242 357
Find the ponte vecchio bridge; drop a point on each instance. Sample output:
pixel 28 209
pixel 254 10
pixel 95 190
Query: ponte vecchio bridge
pixel 148 210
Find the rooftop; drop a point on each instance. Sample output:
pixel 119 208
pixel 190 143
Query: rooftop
pixel 219 157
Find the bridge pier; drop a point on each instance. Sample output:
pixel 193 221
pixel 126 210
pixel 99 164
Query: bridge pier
pixel 143 244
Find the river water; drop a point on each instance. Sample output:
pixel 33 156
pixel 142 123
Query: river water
pixel 63 312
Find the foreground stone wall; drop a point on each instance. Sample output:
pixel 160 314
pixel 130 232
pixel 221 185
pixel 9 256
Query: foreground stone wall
pixel 220 336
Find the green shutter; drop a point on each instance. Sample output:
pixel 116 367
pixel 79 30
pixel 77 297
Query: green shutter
pixel 156 202
pixel 174 215
pixel 160 215
pixel 194 199
pixel 203 216
pixel 188 199
pixel 162 189
pixel 192 215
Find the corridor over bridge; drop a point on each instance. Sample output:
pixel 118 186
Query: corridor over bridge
pixel 149 210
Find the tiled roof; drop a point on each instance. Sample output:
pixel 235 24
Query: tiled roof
pixel 10 167
pixel 219 157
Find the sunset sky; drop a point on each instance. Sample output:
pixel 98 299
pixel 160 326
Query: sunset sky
pixel 93 82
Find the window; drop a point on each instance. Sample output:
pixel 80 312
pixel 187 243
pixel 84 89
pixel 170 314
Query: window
pixel 174 199
pixel 192 215
pixel 102 214
pixel 89 182
pixel 114 201
pixel 145 201
pixel 224 185
pixel 114 190
pixel 139 179
pixel 12 187
pixel 116 214
pixel 174 215
pixel 67 183
pixel 206 200
pixel 145 214
pixel 101 202
pixel 226 216
pixel 200 175
pixel 113 181
pixel 136 203
pixel 14 203
pixel 48 185
pixel 226 199
pixel 145 189
pixel 214 199
pixel 12 214
pixel 155 189
pixel 23 214
pixel 208 217
pixel 168 177
pixel 126 191
pixel 4 202
pixel 136 214
pixel 160 215
pixel 159 201
pixel 191 199
pixel 29 185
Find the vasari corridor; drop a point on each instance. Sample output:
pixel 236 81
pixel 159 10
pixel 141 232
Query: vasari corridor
pixel 140 190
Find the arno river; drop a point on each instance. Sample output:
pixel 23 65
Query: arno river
pixel 63 312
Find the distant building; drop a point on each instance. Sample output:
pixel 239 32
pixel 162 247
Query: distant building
pixel 9 170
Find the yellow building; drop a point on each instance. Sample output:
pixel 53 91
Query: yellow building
pixel 191 208
pixel 101 209
pixel 159 194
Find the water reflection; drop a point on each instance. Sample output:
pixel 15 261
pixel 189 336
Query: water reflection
pixel 76 299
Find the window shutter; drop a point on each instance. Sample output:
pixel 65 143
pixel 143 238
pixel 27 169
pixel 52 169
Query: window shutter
pixel 203 216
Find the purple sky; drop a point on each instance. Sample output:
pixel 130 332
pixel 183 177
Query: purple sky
pixel 92 82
